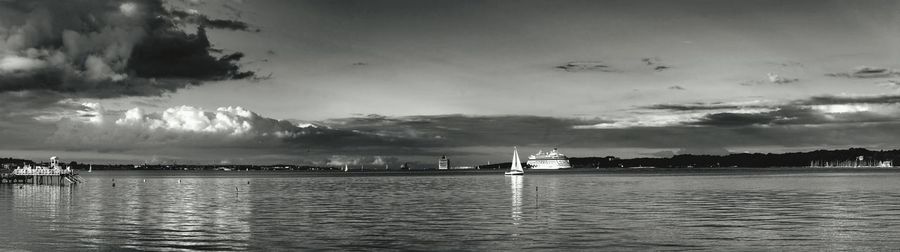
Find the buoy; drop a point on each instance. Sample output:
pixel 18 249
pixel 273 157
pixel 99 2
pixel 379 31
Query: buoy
pixel 236 189
pixel 145 181
pixel 248 182
pixel 179 181
pixel 114 184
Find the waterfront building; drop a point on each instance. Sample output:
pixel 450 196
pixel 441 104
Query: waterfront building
pixel 444 163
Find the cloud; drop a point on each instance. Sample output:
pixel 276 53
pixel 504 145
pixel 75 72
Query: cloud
pixel 235 131
pixel 676 87
pixel 14 64
pixel 655 64
pixel 94 127
pixel 812 111
pixel 662 154
pixel 771 78
pixel 599 66
pixel 718 151
pixel 91 127
pixel 194 17
pixel 586 66
pixel 867 72
pixel 698 106
pixel 892 84
pixel 373 162
pixel 777 79
pixel 849 99
pixel 645 121
pixel 816 110
pixel 103 49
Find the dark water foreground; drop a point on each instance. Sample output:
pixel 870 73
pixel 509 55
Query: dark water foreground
pixel 719 210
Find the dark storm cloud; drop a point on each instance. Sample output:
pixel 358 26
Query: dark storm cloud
pixel 807 111
pixel 203 20
pixel 694 106
pixel 178 55
pixel 790 115
pixel 833 100
pixel 88 48
pixel 867 72
pixel 18 124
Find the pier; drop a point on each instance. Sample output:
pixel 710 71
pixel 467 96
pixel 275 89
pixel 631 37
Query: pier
pixel 39 175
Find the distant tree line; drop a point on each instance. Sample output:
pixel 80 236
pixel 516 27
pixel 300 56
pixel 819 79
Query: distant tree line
pixel 791 159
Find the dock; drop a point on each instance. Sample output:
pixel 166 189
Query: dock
pixel 39 175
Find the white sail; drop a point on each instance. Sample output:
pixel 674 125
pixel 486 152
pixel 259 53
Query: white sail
pixel 516 163
pixel 516 167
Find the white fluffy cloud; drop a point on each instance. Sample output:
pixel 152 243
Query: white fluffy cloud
pixel 13 63
pixel 372 161
pixel 226 120
pixel 94 126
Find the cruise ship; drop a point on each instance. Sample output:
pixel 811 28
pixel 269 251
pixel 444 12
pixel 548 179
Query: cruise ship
pixel 552 160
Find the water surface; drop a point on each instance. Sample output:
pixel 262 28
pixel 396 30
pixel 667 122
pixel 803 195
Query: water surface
pixel 155 210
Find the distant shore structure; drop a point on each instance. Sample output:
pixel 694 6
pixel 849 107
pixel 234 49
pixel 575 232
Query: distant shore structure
pixel 552 160
pixel 858 162
pixel 443 163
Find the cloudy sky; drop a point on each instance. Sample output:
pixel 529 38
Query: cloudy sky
pixel 382 82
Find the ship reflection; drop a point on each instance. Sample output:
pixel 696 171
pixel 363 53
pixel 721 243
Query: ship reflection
pixel 516 203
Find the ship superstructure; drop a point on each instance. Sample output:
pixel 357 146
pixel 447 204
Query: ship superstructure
pixel 551 160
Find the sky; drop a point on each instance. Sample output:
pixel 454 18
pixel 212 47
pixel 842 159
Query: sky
pixel 386 82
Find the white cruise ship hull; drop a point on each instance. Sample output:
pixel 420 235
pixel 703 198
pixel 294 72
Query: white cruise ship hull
pixel 549 164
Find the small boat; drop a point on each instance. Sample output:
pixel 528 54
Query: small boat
pixel 516 167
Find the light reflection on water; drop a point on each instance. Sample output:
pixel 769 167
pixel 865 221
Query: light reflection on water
pixel 209 211
pixel 515 183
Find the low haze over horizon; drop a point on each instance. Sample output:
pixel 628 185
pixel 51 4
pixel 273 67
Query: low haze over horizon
pixel 386 82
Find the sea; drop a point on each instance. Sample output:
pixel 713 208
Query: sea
pixel 838 210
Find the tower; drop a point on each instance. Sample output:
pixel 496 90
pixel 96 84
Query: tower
pixel 444 163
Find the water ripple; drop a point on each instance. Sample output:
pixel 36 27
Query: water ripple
pixel 201 212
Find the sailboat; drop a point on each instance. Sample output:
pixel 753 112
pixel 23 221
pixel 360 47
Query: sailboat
pixel 90 167
pixel 346 169
pixel 516 167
